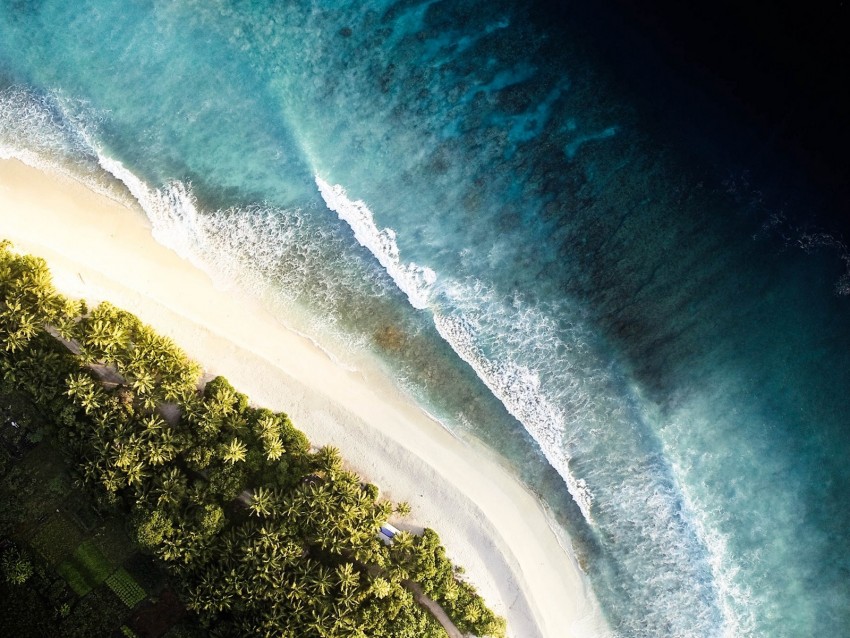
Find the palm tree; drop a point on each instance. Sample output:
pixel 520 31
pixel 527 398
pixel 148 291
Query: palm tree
pixel 321 622
pixel 105 335
pixel 403 541
pixel 136 473
pixel 194 409
pixel 329 460
pixel 295 592
pixel 262 502
pixel 161 449
pixel 111 480
pixel 291 510
pixel 65 321
pixel 27 326
pixel 297 605
pixel 267 427
pixel 348 578
pixel 235 451
pixel 322 579
pixel 79 384
pixel 380 587
pixel 157 455
pixel 35 278
pixel 125 455
pixel 153 423
pixel 90 471
pixel 144 382
pixel 228 542
pixel 274 447
pixel 149 402
pixel 223 400
pixel 171 488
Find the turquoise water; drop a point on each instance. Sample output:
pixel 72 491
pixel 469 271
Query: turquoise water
pixel 474 199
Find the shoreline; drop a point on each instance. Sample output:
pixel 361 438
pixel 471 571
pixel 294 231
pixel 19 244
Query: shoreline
pixel 99 250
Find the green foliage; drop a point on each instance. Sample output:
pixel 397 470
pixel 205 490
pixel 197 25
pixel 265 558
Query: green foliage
pixel 199 457
pixel 23 612
pixel 223 399
pixel 380 588
pixel 403 509
pixel 426 562
pixel 97 614
pixel 85 569
pixel 262 536
pixel 210 519
pixel 28 301
pixel 151 528
pixel 263 502
pixel 234 452
pixel 76 579
pixel 227 481
pixel 152 366
pixel 17 567
pixel 372 491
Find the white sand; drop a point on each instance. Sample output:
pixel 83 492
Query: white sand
pixel 100 250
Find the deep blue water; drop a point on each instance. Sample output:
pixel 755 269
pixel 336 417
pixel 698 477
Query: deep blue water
pixel 476 199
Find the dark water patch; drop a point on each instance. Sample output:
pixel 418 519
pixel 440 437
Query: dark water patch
pixel 765 75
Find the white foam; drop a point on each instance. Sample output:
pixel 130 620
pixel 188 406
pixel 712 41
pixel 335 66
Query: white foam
pixel 31 132
pixel 172 210
pixel 264 251
pixel 413 280
pixel 49 133
pixel 733 597
pixel 518 388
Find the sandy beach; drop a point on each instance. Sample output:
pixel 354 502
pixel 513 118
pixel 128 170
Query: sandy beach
pixel 101 250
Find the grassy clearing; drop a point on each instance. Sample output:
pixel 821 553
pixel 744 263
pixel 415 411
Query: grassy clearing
pixel 86 568
pixel 76 579
pixel 94 561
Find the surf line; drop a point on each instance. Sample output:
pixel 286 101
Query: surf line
pixel 417 282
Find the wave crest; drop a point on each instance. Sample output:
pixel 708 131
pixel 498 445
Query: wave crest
pixel 414 280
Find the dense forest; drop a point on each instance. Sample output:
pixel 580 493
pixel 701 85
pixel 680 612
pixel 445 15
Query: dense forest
pixel 258 533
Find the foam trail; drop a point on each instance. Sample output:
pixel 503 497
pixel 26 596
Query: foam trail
pixel 230 245
pixel 516 386
pixel 171 210
pixel 39 131
pixel 270 252
pixel 415 281
pixel 541 363
pixel 731 596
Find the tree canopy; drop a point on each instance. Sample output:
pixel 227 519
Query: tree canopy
pixel 261 534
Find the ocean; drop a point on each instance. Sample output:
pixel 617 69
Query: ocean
pixel 652 339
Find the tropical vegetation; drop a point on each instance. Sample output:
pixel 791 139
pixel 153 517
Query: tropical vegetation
pixel 261 534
